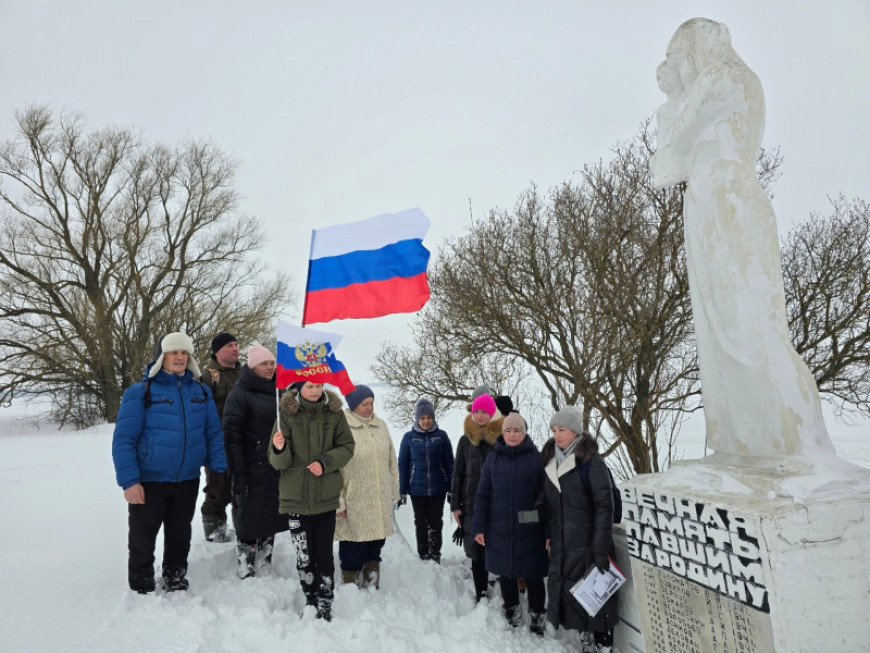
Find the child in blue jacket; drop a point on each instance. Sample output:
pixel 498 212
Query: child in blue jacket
pixel 425 472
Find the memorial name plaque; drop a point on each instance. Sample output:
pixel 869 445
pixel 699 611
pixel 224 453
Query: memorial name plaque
pixel 698 573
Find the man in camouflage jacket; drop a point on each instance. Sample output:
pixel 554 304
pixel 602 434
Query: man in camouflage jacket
pixel 220 376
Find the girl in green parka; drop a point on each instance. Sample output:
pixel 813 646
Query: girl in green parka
pixel 311 444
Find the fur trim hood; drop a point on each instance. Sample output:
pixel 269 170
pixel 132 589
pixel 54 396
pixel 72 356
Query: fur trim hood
pixel 583 450
pixel 290 401
pixel 489 432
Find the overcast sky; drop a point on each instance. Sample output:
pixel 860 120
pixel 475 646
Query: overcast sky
pixel 338 111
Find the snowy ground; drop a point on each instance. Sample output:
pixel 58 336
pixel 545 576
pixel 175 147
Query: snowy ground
pixel 63 571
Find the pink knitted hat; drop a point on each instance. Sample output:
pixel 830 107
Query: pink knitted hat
pixel 485 403
pixel 258 354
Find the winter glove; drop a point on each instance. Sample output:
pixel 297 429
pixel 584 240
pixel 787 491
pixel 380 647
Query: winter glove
pixel 403 499
pixel 214 484
pixel 603 563
pixel 459 536
pixel 240 486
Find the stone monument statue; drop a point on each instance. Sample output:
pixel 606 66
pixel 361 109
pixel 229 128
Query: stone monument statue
pixel 761 403
pixel 762 546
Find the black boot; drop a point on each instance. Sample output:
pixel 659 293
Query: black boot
pixel 263 558
pixel 246 554
pixel 141 583
pixel 174 579
pixel 434 541
pixel 324 598
pixel 215 528
pixel 538 622
pixel 513 616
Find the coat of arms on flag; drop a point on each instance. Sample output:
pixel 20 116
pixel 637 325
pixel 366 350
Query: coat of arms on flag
pixel 309 355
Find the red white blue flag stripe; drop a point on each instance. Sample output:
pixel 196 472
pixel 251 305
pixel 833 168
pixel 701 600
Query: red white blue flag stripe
pixel 309 355
pixel 368 269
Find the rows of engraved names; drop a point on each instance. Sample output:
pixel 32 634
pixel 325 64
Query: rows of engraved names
pixel 686 618
pixel 706 544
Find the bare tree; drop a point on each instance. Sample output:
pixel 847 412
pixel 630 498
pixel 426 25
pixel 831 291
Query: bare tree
pixel 586 293
pixel 110 242
pixel 826 267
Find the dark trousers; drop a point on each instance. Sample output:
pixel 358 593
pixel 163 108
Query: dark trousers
pixel 312 537
pixel 428 524
pixel 510 593
pixel 354 555
pixel 218 507
pixel 171 505
pixel 479 575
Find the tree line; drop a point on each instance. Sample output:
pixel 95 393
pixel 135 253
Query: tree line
pixel 575 296
pixel 109 242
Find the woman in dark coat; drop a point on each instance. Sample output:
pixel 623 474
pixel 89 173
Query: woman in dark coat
pixel 480 432
pixel 581 526
pixel 249 414
pixel 507 521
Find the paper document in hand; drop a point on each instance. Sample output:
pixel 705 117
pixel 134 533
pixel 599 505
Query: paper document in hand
pixel 595 587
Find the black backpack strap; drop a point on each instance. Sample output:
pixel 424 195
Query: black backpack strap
pixel 202 387
pixel 146 399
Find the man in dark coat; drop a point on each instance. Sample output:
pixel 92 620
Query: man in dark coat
pixel 249 414
pixel 581 526
pixel 221 375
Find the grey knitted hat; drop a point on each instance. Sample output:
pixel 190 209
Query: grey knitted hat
pixel 482 390
pixel 423 407
pixel 570 418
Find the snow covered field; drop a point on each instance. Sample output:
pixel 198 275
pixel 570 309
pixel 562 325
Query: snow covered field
pixel 63 571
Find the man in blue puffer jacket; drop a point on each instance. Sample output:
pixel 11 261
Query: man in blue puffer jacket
pixel 167 429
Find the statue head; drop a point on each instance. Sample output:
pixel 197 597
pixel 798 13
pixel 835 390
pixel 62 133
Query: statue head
pixel 697 43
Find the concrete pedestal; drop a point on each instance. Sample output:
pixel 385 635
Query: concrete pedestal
pixel 726 559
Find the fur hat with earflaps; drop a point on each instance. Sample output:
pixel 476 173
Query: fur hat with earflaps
pixel 175 342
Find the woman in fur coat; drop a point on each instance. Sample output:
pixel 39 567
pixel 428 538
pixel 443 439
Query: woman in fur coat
pixel 480 432
pixel 371 488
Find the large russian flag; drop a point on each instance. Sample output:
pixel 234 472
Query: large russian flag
pixel 309 355
pixel 367 269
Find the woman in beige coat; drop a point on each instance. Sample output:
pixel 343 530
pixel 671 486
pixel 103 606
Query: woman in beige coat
pixel 371 486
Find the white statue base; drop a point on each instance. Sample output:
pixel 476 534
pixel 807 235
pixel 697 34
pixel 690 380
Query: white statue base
pixel 732 559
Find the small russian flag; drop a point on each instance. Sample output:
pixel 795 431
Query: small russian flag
pixel 368 269
pixel 309 355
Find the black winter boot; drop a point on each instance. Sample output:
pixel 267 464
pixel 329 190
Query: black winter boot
pixel 141 584
pixel 174 579
pixel 434 541
pixel 263 559
pixel 246 555
pixel 215 528
pixel 324 598
pixel 513 616
pixel 538 622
